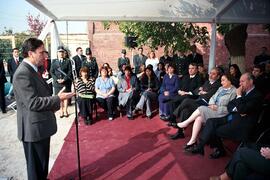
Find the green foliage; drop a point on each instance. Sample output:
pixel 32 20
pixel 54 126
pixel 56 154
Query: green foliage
pixel 225 28
pixel 6 45
pixel 20 38
pixel 5 49
pixel 177 35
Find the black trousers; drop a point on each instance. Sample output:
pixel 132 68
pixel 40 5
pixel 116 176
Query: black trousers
pixel 85 106
pixel 209 132
pixel 107 104
pixel 2 97
pixel 185 109
pixel 247 160
pixel 37 159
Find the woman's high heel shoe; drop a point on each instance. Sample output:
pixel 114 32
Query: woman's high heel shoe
pixel 191 146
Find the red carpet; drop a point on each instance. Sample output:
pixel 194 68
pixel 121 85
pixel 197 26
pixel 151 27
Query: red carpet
pixel 138 149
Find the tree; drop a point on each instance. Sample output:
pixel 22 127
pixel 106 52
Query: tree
pixel 235 36
pixel 164 34
pixel 35 24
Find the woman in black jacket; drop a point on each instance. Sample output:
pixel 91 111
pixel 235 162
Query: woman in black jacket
pixel 149 91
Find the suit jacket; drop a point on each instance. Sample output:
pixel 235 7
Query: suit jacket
pixel 166 59
pixel 198 59
pixel 137 62
pixel 3 79
pixel 12 66
pixel 35 105
pixel 78 62
pixel 249 106
pixel 190 84
pixel 209 88
pixel 65 66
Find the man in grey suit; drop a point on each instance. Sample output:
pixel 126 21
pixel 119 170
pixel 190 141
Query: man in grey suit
pixel 138 60
pixel 35 109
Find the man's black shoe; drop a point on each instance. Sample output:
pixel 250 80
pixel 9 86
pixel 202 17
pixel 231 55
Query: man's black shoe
pixel 197 150
pixel 217 154
pixel 178 135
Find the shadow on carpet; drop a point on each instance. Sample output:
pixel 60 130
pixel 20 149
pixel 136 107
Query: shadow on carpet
pixel 138 149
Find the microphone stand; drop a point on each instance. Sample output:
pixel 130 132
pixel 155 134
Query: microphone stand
pixel 76 123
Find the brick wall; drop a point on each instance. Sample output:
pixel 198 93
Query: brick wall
pixel 107 44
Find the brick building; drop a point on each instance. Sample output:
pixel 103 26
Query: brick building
pixel 107 44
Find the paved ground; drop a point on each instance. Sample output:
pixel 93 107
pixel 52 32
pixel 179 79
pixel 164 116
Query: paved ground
pixel 11 151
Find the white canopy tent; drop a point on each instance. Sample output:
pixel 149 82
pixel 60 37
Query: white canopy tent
pixel 194 11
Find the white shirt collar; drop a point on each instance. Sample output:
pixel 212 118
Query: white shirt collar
pixel 192 76
pixel 250 90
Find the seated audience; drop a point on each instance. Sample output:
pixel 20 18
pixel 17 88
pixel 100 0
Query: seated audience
pixel 202 72
pixel 110 71
pixel 141 71
pixel 160 72
pixel 86 93
pixel 243 115
pixel 188 84
pixel 254 158
pixel 169 87
pixel 261 81
pixel 217 107
pixel 236 73
pixel 263 58
pixel 105 87
pixel 201 96
pixel 149 92
pixel 128 87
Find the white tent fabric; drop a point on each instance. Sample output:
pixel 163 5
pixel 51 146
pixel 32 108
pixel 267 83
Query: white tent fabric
pixel 218 11
pixel 208 11
pixel 55 39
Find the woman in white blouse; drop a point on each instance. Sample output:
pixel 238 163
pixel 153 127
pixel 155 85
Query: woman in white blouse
pixel 152 60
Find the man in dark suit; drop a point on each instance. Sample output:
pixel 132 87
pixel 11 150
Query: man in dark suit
pixel 3 80
pixel 166 59
pixel 195 57
pixel 79 59
pixel 243 114
pixel 138 60
pixel 263 58
pixel 35 109
pixel 14 62
pixel 201 97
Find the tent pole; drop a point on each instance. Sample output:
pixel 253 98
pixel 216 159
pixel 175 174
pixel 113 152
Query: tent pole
pixel 212 47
